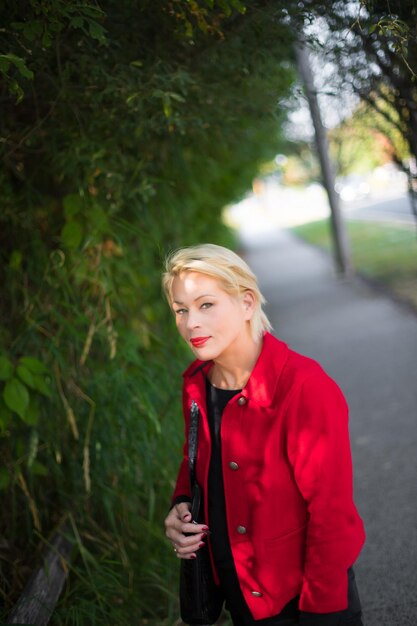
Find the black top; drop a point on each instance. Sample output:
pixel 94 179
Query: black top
pixel 216 402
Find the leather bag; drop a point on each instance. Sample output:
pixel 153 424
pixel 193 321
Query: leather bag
pixel 201 600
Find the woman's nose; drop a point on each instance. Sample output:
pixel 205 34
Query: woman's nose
pixel 192 320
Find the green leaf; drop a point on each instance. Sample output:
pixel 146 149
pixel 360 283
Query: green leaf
pixel 15 261
pixel 16 89
pixel 39 384
pixel 6 368
pixel 91 11
pixel 4 478
pixel 72 234
pixel 77 22
pixel 176 96
pixel 73 204
pixel 46 39
pixel 18 25
pixel 167 107
pixel 4 64
pixel 32 413
pixel 131 98
pixel 25 375
pixel 39 469
pixel 99 220
pixel 20 64
pixel 34 365
pixel 96 31
pixel 16 396
pixel 32 29
pixel 238 5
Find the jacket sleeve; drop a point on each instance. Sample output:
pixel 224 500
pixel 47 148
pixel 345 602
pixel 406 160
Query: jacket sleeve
pixel 182 491
pixel 319 452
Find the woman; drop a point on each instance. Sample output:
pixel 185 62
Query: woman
pixel 273 455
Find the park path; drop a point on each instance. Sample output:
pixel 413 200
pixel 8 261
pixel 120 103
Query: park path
pixel 368 343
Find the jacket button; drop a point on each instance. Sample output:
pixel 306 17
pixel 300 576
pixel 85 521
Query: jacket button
pixel 233 465
pixel 241 530
pixel 242 401
pixel 257 594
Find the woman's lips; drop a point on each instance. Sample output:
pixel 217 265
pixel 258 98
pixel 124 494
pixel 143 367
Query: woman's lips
pixel 199 341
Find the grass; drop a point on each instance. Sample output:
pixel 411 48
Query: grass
pixel 384 253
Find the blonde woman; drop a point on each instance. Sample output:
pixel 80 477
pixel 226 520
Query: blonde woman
pixel 273 459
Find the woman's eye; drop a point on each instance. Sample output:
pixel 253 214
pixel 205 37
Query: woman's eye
pixel 180 311
pixel 206 305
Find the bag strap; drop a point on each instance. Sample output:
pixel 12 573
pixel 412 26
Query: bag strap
pixel 192 440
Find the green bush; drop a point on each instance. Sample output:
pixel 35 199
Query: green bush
pixel 125 130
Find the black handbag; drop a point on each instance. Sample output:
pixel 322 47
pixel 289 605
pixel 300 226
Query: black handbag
pixel 201 600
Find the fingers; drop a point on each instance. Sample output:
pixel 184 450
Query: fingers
pixel 185 536
pixel 186 547
pixel 183 510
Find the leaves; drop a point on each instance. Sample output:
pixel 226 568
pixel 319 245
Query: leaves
pixel 97 31
pixel 16 397
pixel 25 375
pixel 30 373
pixel 6 368
pixel 94 193
pixel 34 365
pixel 6 60
pixel 72 234
pixel 73 204
pixel 40 385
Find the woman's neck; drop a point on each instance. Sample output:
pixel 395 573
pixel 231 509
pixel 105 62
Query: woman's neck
pixel 232 371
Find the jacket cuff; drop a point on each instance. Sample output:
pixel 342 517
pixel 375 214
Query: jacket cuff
pixel 325 595
pixel 178 500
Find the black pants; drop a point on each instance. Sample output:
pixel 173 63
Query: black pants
pixel 290 614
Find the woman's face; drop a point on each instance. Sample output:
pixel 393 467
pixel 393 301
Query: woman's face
pixel 212 322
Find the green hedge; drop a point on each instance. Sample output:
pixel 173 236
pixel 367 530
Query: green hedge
pixel 125 130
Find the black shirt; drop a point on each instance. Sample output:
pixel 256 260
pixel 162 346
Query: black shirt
pixel 216 403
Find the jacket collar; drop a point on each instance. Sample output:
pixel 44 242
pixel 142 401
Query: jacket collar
pixel 262 382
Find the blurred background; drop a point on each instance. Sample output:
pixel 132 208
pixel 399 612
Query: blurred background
pixel 131 128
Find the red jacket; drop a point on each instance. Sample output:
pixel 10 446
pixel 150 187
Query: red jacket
pixel 287 471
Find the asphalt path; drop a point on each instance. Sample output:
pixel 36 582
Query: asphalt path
pixel 368 343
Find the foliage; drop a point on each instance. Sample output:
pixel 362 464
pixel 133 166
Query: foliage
pixel 364 141
pixel 125 128
pixel 373 46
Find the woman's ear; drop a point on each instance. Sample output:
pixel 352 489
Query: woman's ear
pixel 249 304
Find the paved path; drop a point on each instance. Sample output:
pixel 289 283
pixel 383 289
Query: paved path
pixel 369 345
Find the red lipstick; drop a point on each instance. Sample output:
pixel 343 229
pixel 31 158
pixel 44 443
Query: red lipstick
pixel 199 341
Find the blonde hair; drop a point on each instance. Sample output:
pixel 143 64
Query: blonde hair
pixel 228 268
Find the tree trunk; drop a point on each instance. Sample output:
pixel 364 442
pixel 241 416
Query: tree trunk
pixel 340 240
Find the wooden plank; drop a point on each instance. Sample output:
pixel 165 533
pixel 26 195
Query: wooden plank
pixel 38 599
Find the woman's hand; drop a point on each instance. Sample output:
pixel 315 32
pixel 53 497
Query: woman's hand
pixel 185 536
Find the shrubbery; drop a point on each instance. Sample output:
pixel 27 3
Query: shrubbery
pixel 125 129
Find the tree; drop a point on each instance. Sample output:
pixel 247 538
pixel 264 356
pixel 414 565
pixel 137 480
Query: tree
pixel 373 46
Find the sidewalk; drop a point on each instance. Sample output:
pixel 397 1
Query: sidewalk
pixel 369 345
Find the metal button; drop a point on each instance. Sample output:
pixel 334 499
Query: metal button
pixel 257 594
pixel 242 401
pixel 241 530
pixel 233 465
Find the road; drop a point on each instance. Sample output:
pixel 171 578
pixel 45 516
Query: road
pixel 274 206
pixel 394 209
